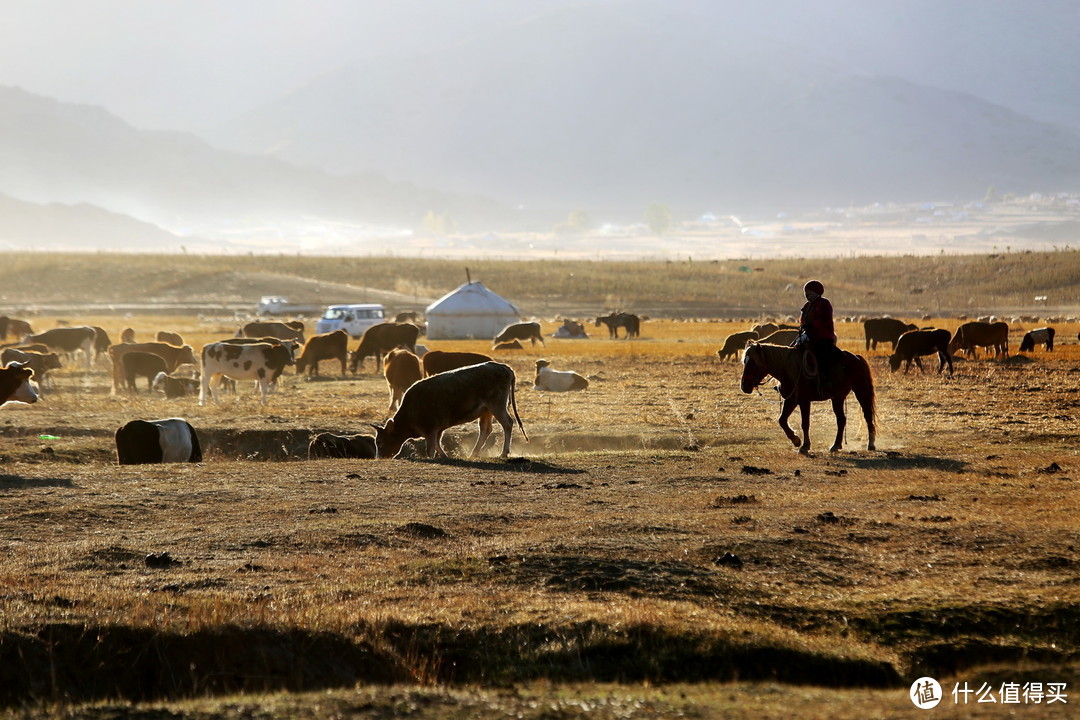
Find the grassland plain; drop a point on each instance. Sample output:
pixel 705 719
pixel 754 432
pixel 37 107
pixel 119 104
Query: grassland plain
pixel 658 549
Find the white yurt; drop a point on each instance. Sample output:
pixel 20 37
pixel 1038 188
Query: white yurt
pixel 469 312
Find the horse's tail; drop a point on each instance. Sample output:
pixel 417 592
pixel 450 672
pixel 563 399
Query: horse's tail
pixel 863 385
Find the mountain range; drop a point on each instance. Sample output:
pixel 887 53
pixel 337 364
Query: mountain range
pixel 600 107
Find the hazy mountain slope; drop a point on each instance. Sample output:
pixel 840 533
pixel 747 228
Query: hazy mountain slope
pixel 57 152
pixel 612 107
pixel 30 226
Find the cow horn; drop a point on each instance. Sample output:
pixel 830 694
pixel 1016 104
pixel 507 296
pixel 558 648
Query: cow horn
pixel 377 427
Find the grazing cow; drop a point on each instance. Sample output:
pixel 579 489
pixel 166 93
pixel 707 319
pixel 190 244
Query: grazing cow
pixel 328 346
pixel 380 339
pixel 735 343
pixel 885 329
pixel 102 342
pixel 557 380
pixel 142 364
pixel 918 343
pixel 172 355
pixel 127 335
pixel 293 330
pixel 262 362
pixel 521 332
pixel 14 327
pixel 175 386
pixel 410 316
pixel 329 445
pixel 68 340
pixel 511 345
pixel 437 361
pixel 16 384
pixel 1039 335
pixel 476 392
pixel 781 337
pixel 972 335
pixel 169 337
pixel 40 362
pixel 401 369
pixel 157 441
pixel 617 320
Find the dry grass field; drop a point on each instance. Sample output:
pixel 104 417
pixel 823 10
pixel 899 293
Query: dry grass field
pixel 658 549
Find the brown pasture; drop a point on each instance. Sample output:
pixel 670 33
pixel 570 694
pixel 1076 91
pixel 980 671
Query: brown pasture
pixel 658 548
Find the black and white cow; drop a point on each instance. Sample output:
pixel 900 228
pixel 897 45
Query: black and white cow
pixel 1040 336
pixel 157 441
pixel 68 340
pixel 262 362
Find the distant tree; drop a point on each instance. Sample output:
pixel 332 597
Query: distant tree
pixel 580 219
pixel 438 224
pixel 658 218
pixel 991 194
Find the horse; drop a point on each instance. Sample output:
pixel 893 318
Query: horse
pixel 797 388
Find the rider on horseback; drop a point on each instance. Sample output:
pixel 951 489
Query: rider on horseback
pixel 817 334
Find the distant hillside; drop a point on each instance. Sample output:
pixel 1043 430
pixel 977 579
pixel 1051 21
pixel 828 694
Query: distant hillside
pixel 30 226
pixel 608 108
pixel 72 154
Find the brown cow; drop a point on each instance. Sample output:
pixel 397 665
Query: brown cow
pixel 972 335
pixel 401 369
pixel 476 392
pixel 127 335
pixel 138 363
pixel 40 362
pixel 520 331
pixel 293 330
pixel 14 327
pixel 173 356
pixel 437 361
pixel 16 384
pixel 169 337
pixel 328 346
pixel 102 342
pixel 885 329
pixel 380 339
pixel 917 343
pixel 735 343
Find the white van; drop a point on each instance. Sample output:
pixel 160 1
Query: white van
pixel 353 319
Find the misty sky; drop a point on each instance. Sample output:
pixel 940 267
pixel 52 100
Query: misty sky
pixel 188 64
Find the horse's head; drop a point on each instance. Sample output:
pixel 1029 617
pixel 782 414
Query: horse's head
pixel 754 369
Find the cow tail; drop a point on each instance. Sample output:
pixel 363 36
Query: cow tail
pixel 513 404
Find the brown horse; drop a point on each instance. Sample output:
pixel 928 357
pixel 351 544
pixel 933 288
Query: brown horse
pixel 798 389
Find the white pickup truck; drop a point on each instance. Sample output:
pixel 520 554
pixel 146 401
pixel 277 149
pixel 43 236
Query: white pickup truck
pixel 279 305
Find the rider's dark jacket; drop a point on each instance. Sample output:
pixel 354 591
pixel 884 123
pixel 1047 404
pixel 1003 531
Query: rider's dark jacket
pixel 817 321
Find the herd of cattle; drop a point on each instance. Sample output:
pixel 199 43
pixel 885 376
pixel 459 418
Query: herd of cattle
pixel 909 342
pixel 430 391
pixel 463 386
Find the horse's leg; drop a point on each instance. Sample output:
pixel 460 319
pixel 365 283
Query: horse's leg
pixel 841 421
pixel 804 410
pixel 785 412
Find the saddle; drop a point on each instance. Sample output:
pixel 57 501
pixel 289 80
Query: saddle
pixel 811 370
